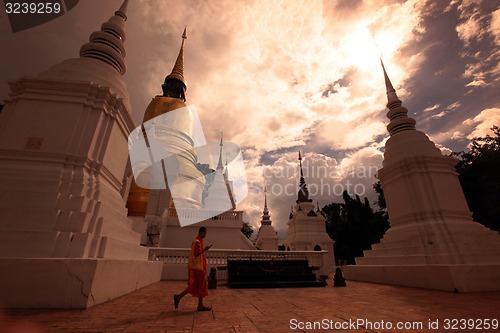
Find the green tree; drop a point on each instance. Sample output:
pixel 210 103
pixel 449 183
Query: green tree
pixel 247 230
pixel 479 176
pixel 354 226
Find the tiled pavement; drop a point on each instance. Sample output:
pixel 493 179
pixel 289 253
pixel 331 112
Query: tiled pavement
pixel 267 310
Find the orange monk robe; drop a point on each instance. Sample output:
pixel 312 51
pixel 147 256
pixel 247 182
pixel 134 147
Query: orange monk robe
pixel 197 270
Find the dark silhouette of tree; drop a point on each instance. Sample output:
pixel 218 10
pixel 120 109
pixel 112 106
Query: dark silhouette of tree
pixel 479 174
pixel 354 226
pixel 247 230
pixel 381 198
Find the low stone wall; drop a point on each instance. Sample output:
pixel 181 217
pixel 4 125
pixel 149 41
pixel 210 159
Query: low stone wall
pixel 175 260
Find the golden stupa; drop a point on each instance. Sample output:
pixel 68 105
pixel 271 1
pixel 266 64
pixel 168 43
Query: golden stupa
pixel 175 133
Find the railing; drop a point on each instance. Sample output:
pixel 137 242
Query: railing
pixel 202 215
pixel 175 260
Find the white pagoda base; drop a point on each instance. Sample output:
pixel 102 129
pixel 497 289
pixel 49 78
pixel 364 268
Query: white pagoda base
pixel 433 242
pixel 72 283
pixel 224 230
pixel 451 278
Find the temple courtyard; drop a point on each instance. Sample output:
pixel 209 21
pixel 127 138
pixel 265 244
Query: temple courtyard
pixel 359 307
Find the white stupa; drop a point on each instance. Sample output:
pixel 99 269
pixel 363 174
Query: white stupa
pixel 306 225
pixel 65 239
pixel 220 197
pixel 224 227
pixel 433 242
pixel 267 238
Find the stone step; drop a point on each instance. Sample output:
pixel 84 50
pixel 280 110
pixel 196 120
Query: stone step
pixel 431 259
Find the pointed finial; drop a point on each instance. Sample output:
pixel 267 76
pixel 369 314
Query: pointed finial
pixel 300 165
pixel 178 70
pixel 388 84
pixel 398 114
pixel 392 98
pixel 265 198
pixel 303 195
pixel 123 10
pixel 226 170
pixel 265 212
pixel 219 164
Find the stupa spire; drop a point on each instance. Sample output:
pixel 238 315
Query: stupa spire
pixel 175 84
pixel 301 173
pixel 391 92
pixel 123 9
pixel 107 45
pixel 397 114
pixel 219 165
pixel 265 214
pixel 266 210
pixel 303 195
pixel 226 170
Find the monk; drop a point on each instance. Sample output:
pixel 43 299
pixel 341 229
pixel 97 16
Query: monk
pixel 197 272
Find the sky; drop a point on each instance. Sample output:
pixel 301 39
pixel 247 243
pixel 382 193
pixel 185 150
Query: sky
pixel 282 76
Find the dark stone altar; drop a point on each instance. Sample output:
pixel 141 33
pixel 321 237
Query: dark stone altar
pixel 274 273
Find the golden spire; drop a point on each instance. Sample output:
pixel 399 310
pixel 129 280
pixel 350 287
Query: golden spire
pixel 178 70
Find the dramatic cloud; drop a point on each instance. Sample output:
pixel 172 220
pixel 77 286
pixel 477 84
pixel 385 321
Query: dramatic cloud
pixel 279 76
pixel 483 122
pixel 326 179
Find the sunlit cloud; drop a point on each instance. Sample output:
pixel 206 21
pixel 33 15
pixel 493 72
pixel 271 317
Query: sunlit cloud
pixel 483 122
pixel 495 25
pixel 279 76
pixel 476 26
pixel 432 108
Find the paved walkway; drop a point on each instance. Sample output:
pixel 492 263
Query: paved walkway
pixel 374 307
